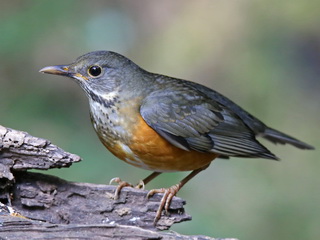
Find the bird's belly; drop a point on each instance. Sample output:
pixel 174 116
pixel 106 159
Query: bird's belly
pixel 148 150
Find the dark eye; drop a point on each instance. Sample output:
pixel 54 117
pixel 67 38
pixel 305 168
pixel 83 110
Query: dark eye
pixel 94 71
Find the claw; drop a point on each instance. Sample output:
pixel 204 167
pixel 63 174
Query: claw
pixel 154 191
pixel 140 185
pixel 121 184
pixel 115 179
pixel 168 194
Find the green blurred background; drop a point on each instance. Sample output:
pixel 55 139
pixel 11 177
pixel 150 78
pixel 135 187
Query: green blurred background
pixel 264 55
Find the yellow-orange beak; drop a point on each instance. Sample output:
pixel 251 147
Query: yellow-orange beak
pixel 57 70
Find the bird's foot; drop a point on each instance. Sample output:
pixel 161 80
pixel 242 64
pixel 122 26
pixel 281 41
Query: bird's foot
pixel 168 194
pixel 122 184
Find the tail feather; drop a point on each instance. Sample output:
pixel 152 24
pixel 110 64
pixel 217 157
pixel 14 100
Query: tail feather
pixel 282 138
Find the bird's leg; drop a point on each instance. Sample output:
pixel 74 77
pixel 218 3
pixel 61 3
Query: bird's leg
pixel 140 185
pixel 169 193
pixel 147 180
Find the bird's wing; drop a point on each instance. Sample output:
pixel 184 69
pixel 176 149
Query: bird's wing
pixel 258 127
pixel 190 120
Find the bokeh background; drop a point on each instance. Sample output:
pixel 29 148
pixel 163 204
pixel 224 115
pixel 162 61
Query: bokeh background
pixel 264 55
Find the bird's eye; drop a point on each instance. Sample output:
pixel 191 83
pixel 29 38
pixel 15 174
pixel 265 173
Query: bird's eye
pixel 95 71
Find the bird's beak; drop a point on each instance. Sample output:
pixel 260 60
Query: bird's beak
pixel 63 70
pixel 57 70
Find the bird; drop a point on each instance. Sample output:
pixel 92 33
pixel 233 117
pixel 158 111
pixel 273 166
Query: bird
pixel 165 124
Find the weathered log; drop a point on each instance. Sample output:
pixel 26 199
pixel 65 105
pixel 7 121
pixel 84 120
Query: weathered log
pixel 20 151
pixel 53 200
pixel 41 206
pixel 20 228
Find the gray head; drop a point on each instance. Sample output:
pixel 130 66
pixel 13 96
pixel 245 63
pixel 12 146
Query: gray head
pixel 98 72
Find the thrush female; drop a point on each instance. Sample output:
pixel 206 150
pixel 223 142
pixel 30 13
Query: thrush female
pixel 165 124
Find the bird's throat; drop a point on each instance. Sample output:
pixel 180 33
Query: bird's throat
pixel 112 119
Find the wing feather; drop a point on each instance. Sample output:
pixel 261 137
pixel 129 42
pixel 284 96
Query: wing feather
pixel 190 120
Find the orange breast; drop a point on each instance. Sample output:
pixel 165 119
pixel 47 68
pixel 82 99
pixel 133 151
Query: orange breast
pixel 148 150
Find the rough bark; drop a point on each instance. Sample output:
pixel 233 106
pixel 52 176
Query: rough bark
pixel 20 151
pixel 41 206
pixel 50 199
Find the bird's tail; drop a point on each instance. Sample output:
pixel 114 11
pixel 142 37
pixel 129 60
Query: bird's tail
pixel 282 138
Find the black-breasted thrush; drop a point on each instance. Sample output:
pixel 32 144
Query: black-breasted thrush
pixel 165 124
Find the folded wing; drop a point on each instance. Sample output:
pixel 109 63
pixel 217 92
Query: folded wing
pixel 190 120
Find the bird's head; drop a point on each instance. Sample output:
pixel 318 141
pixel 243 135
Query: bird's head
pixel 98 72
